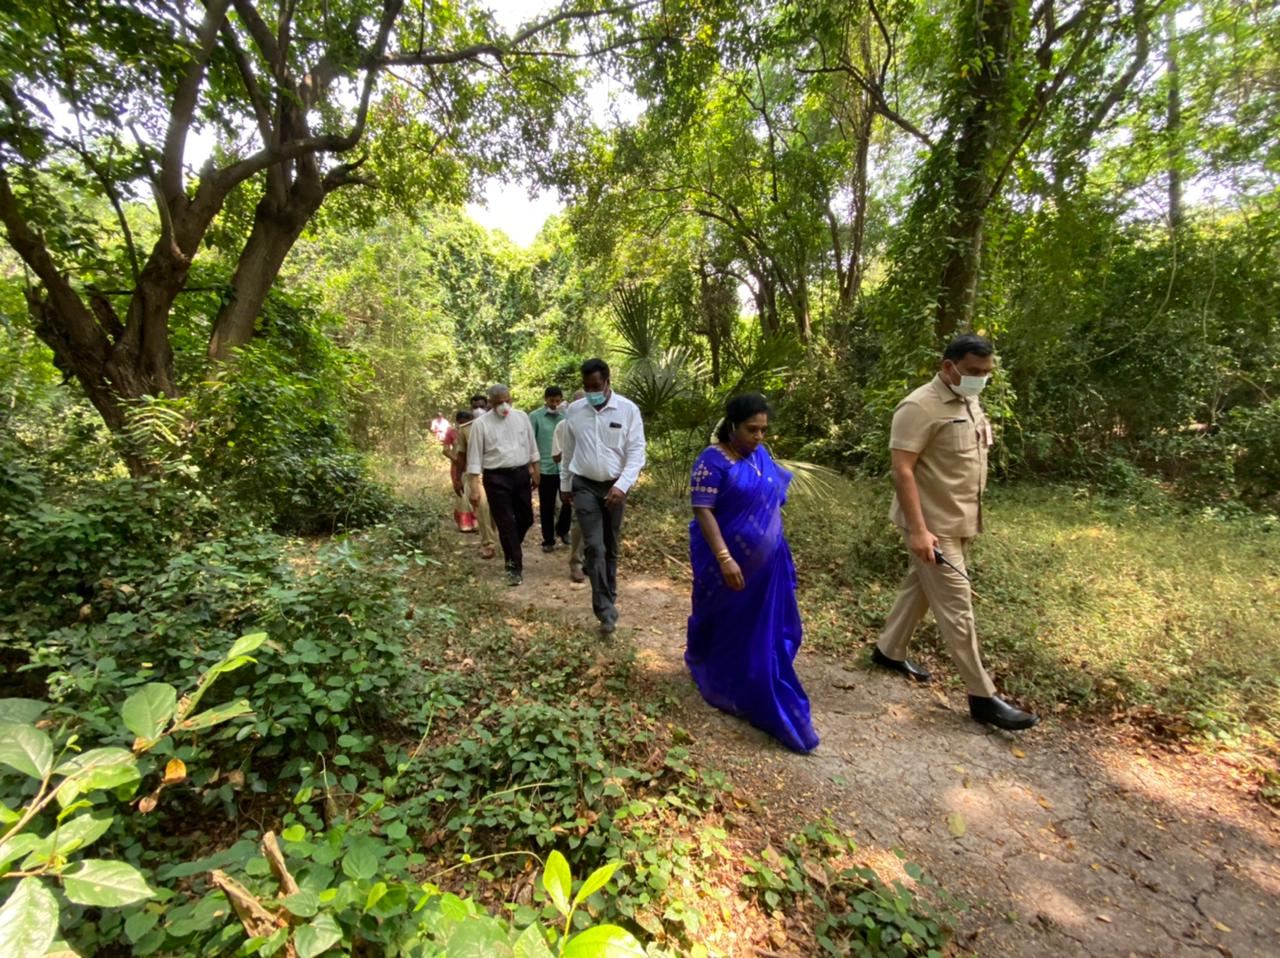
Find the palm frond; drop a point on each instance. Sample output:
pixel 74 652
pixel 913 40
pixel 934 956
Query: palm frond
pixel 763 359
pixel 637 315
pixel 654 384
pixel 809 478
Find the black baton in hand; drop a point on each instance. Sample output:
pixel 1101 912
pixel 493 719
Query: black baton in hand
pixel 939 558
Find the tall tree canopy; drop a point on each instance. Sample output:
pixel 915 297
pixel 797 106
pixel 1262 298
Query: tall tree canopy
pixel 103 103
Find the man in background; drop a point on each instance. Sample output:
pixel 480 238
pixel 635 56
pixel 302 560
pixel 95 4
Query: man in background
pixel 501 451
pixel 545 421
pixel 603 454
pixel 439 426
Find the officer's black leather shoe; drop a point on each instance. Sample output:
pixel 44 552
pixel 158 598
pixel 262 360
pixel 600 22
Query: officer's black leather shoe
pixel 992 711
pixel 909 669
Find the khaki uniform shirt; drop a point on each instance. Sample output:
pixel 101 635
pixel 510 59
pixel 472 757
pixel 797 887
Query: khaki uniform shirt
pixel 460 444
pixel 951 436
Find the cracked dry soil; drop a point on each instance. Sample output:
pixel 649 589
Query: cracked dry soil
pixel 1076 841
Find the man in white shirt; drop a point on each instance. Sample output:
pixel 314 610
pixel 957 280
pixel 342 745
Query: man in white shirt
pixel 603 453
pixel 502 450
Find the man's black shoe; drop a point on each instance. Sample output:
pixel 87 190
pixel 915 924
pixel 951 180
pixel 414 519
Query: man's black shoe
pixel 565 539
pixel 548 547
pixel 992 711
pixel 909 669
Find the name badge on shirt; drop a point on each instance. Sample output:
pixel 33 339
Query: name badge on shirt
pixel 615 425
pixel 986 429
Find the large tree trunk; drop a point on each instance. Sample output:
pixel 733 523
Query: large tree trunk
pixel 982 129
pixel 849 266
pixel 276 227
pixel 1173 121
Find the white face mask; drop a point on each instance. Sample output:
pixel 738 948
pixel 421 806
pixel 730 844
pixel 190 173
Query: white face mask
pixel 971 386
pixel 504 408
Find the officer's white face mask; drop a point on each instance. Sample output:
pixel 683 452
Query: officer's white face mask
pixel 504 409
pixel 971 386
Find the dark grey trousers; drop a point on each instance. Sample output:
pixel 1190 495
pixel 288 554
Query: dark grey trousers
pixel 601 536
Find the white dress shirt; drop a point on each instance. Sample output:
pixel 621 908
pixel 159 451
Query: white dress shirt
pixel 501 442
pixel 557 439
pixel 602 444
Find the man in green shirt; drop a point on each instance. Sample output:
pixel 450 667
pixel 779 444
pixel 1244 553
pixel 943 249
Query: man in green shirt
pixel 544 423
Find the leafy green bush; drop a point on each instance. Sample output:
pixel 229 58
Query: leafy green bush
pixel 42 830
pixel 273 426
pixel 345 887
pixel 855 912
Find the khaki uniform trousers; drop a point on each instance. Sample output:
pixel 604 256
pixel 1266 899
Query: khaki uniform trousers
pixel 484 517
pixel 945 591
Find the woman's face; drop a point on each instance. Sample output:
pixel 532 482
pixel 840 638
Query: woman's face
pixel 751 432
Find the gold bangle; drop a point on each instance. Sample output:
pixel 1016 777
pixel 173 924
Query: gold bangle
pixel 724 555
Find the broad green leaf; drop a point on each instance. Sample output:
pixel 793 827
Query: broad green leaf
pixel 376 894
pixel 139 923
pixel 558 882
pixel 597 880
pixel 188 704
pixel 17 847
pixel 454 908
pixel 531 944
pixel 317 937
pixel 103 883
pixel 21 711
pixel 99 768
pixel 955 823
pixel 217 715
pixel 245 645
pixel 26 749
pixel 7 815
pixel 480 936
pixel 80 832
pixel 603 941
pixel 28 920
pixel 94 759
pixel 360 862
pixel 147 711
pixel 60 949
pixel 302 903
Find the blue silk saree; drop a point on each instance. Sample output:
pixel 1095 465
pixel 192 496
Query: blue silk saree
pixel 741 645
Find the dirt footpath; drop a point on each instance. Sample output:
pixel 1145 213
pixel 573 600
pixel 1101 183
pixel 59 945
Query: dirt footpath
pixel 1065 840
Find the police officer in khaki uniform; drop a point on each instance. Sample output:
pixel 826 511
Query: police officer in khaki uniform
pixel 939 444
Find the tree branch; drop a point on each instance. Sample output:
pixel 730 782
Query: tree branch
pixel 499 49
pixel 184 100
pixel 880 104
pixel 79 329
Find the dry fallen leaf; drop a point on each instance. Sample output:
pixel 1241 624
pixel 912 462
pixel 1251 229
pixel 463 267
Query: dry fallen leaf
pixel 1220 926
pixel 1104 918
pixel 955 823
pixel 1018 753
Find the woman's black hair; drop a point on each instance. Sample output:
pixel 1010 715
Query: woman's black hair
pixel 738 410
pixel 463 415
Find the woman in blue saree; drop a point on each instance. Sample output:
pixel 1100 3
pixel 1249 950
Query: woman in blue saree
pixel 745 628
